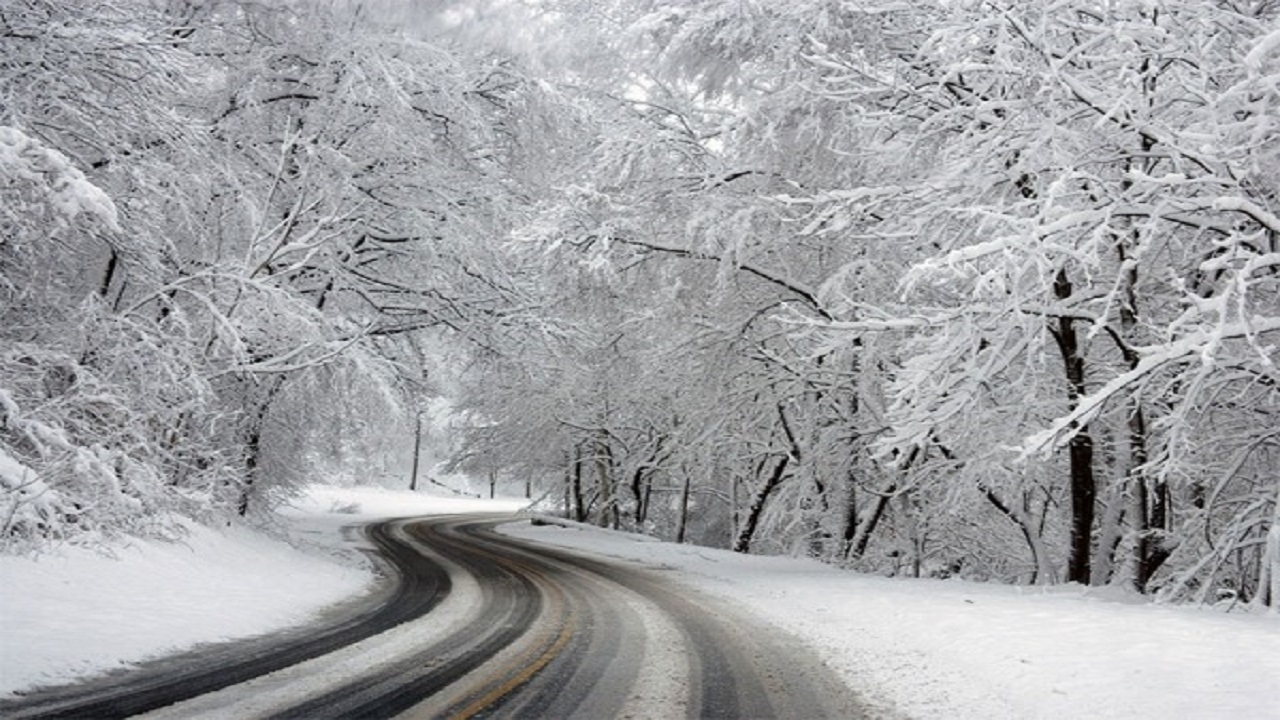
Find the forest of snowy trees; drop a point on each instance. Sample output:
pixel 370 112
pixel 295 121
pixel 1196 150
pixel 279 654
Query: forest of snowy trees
pixel 987 289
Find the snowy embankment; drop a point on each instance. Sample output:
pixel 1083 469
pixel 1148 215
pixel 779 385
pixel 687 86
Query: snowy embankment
pixel 919 648
pixel 955 649
pixel 73 613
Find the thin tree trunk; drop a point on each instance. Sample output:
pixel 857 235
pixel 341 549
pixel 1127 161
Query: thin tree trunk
pixel 742 543
pixel 849 527
pixel 735 514
pixel 648 498
pixel 1044 573
pixel 820 537
pixel 253 444
pixel 1080 449
pixel 113 262
pixel 862 537
pixel 1153 494
pixel 1269 577
pixel 1153 498
pixel 638 495
pixel 568 486
pixel 417 450
pixel 682 523
pixel 575 486
pixel 857 533
pixel 607 513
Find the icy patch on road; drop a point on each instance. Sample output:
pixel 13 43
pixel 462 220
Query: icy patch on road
pixel 955 649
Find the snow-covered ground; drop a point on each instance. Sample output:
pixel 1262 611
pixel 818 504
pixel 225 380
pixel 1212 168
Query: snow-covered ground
pixel 922 648
pixel 74 612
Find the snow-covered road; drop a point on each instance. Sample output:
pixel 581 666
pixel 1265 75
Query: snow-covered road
pixel 477 623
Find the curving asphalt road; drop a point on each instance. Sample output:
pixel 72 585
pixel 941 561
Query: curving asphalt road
pixel 476 625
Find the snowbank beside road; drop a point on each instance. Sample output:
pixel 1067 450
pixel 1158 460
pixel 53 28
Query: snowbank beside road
pixel 73 613
pixel 954 649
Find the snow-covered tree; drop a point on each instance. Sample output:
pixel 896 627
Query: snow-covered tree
pixel 1018 255
pixel 1098 197
pixel 215 213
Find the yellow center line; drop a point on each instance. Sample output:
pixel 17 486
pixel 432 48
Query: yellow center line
pixel 520 678
pixel 526 668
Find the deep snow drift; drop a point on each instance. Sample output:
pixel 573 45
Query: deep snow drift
pixel 919 648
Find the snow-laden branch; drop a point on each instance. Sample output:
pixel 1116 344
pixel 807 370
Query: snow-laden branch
pixel 1269 44
pixel 887 324
pixel 1245 206
pixel 805 293
pixel 309 242
pixel 1117 114
pixel 1200 344
pixel 287 362
pixel 916 321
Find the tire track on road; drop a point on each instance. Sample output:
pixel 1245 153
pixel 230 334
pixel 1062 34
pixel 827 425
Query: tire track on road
pixel 524 630
pixel 416 585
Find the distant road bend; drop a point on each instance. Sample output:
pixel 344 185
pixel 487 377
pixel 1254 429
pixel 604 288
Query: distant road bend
pixel 477 624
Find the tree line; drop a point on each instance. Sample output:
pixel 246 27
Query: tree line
pixel 985 289
pixel 229 230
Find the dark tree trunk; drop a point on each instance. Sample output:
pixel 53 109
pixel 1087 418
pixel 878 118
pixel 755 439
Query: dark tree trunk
pixel 642 482
pixel 857 531
pixel 1080 448
pixel 1151 507
pixel 575 486
pixel 417 451
pixel 742 543
pixel 113 262
pixel 850 523
pixel 253 442
pixel 862 534
pixel 1083 490
pixel 639 495
pixel 682 524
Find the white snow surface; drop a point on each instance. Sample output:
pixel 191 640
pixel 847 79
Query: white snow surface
pixel 913 648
